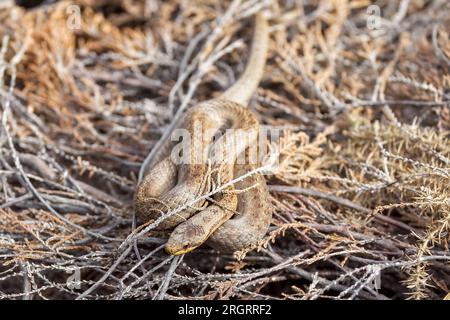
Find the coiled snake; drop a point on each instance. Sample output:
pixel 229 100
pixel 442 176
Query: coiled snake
pixel 231 220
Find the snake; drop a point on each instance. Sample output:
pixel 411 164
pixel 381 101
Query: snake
pixel 235 217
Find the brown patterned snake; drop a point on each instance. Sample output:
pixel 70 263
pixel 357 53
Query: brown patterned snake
pixel 231 220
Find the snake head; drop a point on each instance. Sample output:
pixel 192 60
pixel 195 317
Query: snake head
pixel 185 238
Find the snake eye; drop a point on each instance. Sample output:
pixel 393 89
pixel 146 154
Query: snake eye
pixel 187 248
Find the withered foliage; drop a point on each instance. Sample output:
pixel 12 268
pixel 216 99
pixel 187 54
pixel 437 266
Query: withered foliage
pixel 361 195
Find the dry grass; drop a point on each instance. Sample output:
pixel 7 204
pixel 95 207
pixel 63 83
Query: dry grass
pixel 362 186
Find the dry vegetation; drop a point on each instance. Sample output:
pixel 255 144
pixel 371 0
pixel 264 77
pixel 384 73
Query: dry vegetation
pixel 362 189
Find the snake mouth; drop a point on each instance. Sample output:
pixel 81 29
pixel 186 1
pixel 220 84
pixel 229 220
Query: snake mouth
pixel 174 251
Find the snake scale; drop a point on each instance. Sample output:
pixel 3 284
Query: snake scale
pixel 231 219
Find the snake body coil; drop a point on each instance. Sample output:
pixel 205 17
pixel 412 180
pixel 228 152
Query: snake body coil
pixel 230 220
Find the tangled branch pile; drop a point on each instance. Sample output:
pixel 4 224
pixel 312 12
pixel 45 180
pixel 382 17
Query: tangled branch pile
pixel 361 197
